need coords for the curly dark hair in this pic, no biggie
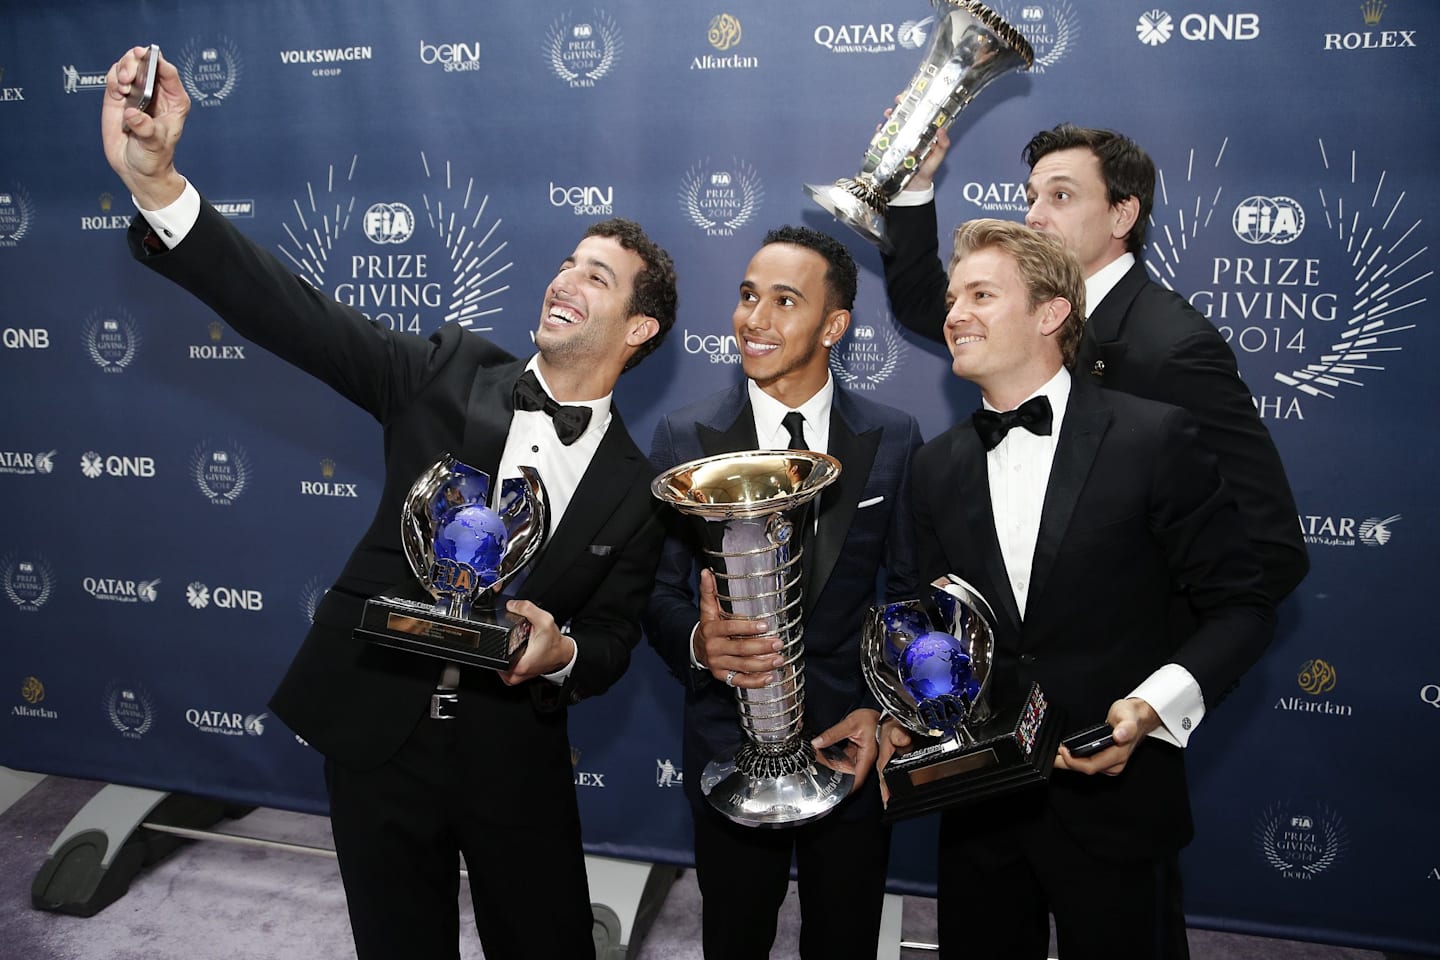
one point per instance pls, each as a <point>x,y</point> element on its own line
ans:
<point>841,277</point>
<point>655,294</point>
<point>1127,169</point>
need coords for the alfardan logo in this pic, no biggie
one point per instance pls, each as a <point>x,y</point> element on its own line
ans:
<point>1316,678</point>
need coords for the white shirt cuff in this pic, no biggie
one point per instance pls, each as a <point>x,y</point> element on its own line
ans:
<point>172,223</point>
<point>1173,694</point>
<point>913,198</point>
<point>563,674</point>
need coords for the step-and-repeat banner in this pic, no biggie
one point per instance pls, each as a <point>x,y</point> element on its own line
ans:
<point>176,501</point>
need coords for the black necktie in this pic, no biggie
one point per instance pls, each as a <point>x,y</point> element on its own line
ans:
<point>570,421</point>
<point>794,422</point>
<point>1033,415</point>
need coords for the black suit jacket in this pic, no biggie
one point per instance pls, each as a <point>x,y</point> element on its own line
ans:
<point>863,525</point>
<point>1134,511</point>
<point>450,393</point>
<point>1148,341</point>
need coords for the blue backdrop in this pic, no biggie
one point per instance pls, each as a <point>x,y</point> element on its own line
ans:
<point>175,501</point>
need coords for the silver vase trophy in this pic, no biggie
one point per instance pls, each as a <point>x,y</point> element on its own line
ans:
<point>752,508</point>
<point>970,46</point>
<point>462,550</point>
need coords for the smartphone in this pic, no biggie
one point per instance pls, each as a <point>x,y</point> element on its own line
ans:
<point>142,88</point>
<point>1090,741</point>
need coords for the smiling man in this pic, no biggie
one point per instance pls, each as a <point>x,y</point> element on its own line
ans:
<point>1094,189</point>
<point>793,308</point>
<point>1077,513</point>
<point>426,761</point>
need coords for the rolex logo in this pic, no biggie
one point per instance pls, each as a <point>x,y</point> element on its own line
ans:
<point>327,468</point>
<point>106,201</point>
<point>1372,11</point>
<point>216,330</point>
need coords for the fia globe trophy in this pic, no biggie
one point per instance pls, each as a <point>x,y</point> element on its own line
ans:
<point>462,551</point>
<point>970,46</point>
<point>751,510</point>
<point>930,666</point>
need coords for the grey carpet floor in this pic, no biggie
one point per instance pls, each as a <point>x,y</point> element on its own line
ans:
<point>223,900</point>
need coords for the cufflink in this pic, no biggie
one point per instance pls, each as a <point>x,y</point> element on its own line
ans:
<point>1098,368</point>
<point>1185,723</point>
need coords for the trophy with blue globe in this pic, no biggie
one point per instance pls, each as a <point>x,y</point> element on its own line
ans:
<point>970,46</point>
<point>463,546</point>
<point>930,666</point>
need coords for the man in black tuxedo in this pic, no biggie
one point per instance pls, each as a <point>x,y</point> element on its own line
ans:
<point>1078,513</point>
<point>1094,190</point>
<point>794,306</point>
<point>424,760</point>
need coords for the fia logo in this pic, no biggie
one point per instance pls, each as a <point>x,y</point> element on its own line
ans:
<point>720,201</point>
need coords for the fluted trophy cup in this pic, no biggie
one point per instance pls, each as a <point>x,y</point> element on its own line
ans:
<point>930,666</point>
<point>752,509</point>
<point>463,546</point>
<point>970,46</point>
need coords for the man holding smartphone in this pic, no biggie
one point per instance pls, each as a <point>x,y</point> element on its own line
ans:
<point>1078,513</point>
<point>427,761</point>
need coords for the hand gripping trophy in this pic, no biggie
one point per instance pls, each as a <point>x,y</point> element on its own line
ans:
<point>930,668</point>
<point>462,551</point>
<point>971,45</point>
<point>752,509</point>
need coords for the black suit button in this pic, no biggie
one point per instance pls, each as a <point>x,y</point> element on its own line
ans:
<point>1027,658</point>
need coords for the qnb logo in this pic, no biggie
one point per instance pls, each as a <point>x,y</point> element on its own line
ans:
<point>94,465</point>
<point>199,596</point>
<point>1268,220</point>
<point>20,338</point>
<point>389,223</point>
<point>1156,26</point>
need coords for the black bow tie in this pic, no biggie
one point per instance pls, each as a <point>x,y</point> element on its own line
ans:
<point>570,421</point>
<point>1033,415</point>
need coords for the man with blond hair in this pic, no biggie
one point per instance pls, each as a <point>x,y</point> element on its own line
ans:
<point>1077,512</point>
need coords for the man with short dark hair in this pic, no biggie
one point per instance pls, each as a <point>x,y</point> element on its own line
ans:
<point>1078,513</point>
<point>426,761</point>
<point>1094,189</point>
<point>794,307</point>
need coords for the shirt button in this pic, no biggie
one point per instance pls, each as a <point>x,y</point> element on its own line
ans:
<point>1027,658</point>
<point>534,448</point>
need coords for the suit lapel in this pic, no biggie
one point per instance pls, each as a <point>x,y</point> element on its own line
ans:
<point>1101,346</point>
<point>1086,420</point>
<point>612,472</point>
<point>733,429</point>
<point>969,488</point>
<point>856,453</point>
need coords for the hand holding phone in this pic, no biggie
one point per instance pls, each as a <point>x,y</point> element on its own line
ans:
<point>1090,741</point>
<point>142,88</point>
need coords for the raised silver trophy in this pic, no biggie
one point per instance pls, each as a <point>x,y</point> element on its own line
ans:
<point>463,549</point>
<point>753,508</point>
<point>930,667</point>
<point>970,46</point>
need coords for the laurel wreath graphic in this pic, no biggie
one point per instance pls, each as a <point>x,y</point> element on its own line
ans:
<point>609,39</point>
<point>47,577</point>
<point>1329,827</point>
<point>894,349</point>
<point>238,460</point>
<point>187,59</point>
<point>110,697</point>
<point>27,212</point>
<point>132,341</point>
<point>751,193</point>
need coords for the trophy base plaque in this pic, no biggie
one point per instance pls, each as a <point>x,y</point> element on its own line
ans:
<point>414,625</point>
<point>851,211</point>
<point>783,791</point>
<point>1010,752</point>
